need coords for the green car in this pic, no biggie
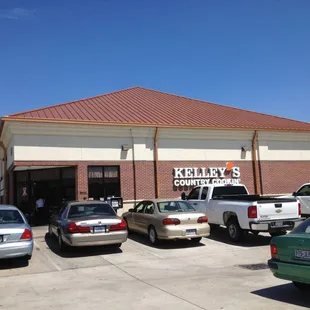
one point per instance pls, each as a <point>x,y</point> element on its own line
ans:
<point>291,256</point>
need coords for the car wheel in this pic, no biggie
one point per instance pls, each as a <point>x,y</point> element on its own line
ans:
<point>62,246</point>
<point>28,257</point>
<point>153,236</point>
<point>50,231</point>
<point>302,286</point>
<point>278,233</point>
<point>235,232</point>
<point>196,240</point>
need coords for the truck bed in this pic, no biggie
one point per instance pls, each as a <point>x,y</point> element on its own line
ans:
<point>252,198</point>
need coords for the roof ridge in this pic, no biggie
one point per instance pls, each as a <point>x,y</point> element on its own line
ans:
<point>70,102</point>
<point>226,106</point>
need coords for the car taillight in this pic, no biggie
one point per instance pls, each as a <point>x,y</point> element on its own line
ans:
<point>171,221</point>
<point>120,226</point>
<point>27,235</point>
<point>299,208</point>
<point>75,229</point>
<point>252,212</point>
<point>203,219</point>
<point>274,251</point>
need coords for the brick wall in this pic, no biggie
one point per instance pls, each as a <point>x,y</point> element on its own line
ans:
<point>280,177</point>
<point>166,175</point>
<point>277,177</point>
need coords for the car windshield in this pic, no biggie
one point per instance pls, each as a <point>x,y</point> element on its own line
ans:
<point>82,210</point>
<point>174,206</point>
<point>302,228</point>
<point>10,217</point>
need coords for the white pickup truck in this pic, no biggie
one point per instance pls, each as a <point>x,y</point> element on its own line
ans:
<point>303,196</point>
<point>233,207</point>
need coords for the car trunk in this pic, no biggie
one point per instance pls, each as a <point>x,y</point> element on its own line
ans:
<point>294,248</point>
<point>11,232</point>
<point>277,210</point>
<point>97,223</point>
<point>186,218</point>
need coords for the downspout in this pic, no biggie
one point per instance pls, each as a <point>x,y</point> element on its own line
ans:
<point>254,160</point>
<point>157,191</point>
<point>5,187</point>
<point>134,168</point>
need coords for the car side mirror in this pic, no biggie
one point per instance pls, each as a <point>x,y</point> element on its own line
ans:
<point>131,210</point>
<point>295,194</point>
<point>183,196</point>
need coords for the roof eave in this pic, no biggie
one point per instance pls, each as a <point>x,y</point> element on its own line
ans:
<point>155,125</point>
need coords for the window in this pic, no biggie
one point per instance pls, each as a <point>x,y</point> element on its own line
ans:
<point>229,190</point>
<point>194,194</point>
<point>10,217</point>
<point>174,206</point>
<point>304,191</point>
<point>98,209</point>
<point>204,193</point>
<point>303,228</point>
<point>140,207</point>
<point>149,208</point>
<point>103,181</point>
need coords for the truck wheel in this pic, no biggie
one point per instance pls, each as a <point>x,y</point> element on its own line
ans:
<point>235,232</point>
<point>278,233</point>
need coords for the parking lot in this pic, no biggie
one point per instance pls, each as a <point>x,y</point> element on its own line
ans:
<point>176,275</point>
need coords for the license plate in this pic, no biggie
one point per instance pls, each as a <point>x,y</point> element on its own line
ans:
<point>1,239</point>
<point>99,229</point>
<point>191,232</point>
<point>302,254</point>
<point>277,224</point>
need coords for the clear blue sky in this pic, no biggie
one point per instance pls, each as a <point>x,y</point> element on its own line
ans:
<point>248,54</point>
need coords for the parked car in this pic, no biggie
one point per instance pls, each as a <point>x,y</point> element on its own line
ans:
<point>303,196</point>
<point>167,220</point>
<point>290,256</point>
<point>87,223</point>
<point>233,207</point>
<point>16,239</point>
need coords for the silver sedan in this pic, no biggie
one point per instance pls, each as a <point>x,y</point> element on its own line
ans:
<point>88,223</point>
<point>15,234</point>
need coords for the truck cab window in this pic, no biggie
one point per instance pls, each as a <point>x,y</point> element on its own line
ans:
<point>305,191</point>
<point>204,193</point>
<point>194,194</point>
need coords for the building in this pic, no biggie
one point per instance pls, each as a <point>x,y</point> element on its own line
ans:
<point>140,144</point>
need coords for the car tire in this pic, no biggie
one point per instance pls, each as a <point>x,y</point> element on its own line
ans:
<point>50,232</point>
<point>62,246</point>
<point>196,240</point>
<point>278,233</point>
<point>118,245</point>
<point>235,232</point>
<point>302,286</point>
<point>28,257</point>
<point>152,236</point>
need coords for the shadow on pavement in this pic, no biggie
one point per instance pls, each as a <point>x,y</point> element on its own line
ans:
<point>164,244</point>
<point>286,293</point>
<point>220,234</point>
<point>80,251</point>
<point>13,263</point>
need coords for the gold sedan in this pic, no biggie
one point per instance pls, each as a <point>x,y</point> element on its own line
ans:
<point>167,220</point>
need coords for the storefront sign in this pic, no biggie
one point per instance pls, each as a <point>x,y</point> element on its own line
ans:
<point>205,176</point>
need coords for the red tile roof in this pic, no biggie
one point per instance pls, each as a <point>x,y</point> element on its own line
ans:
<point>144,107</point>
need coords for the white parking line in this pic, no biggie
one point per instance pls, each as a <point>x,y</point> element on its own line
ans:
<point>47,257</point>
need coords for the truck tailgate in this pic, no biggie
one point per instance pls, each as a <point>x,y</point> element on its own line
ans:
<point>277,210</point>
